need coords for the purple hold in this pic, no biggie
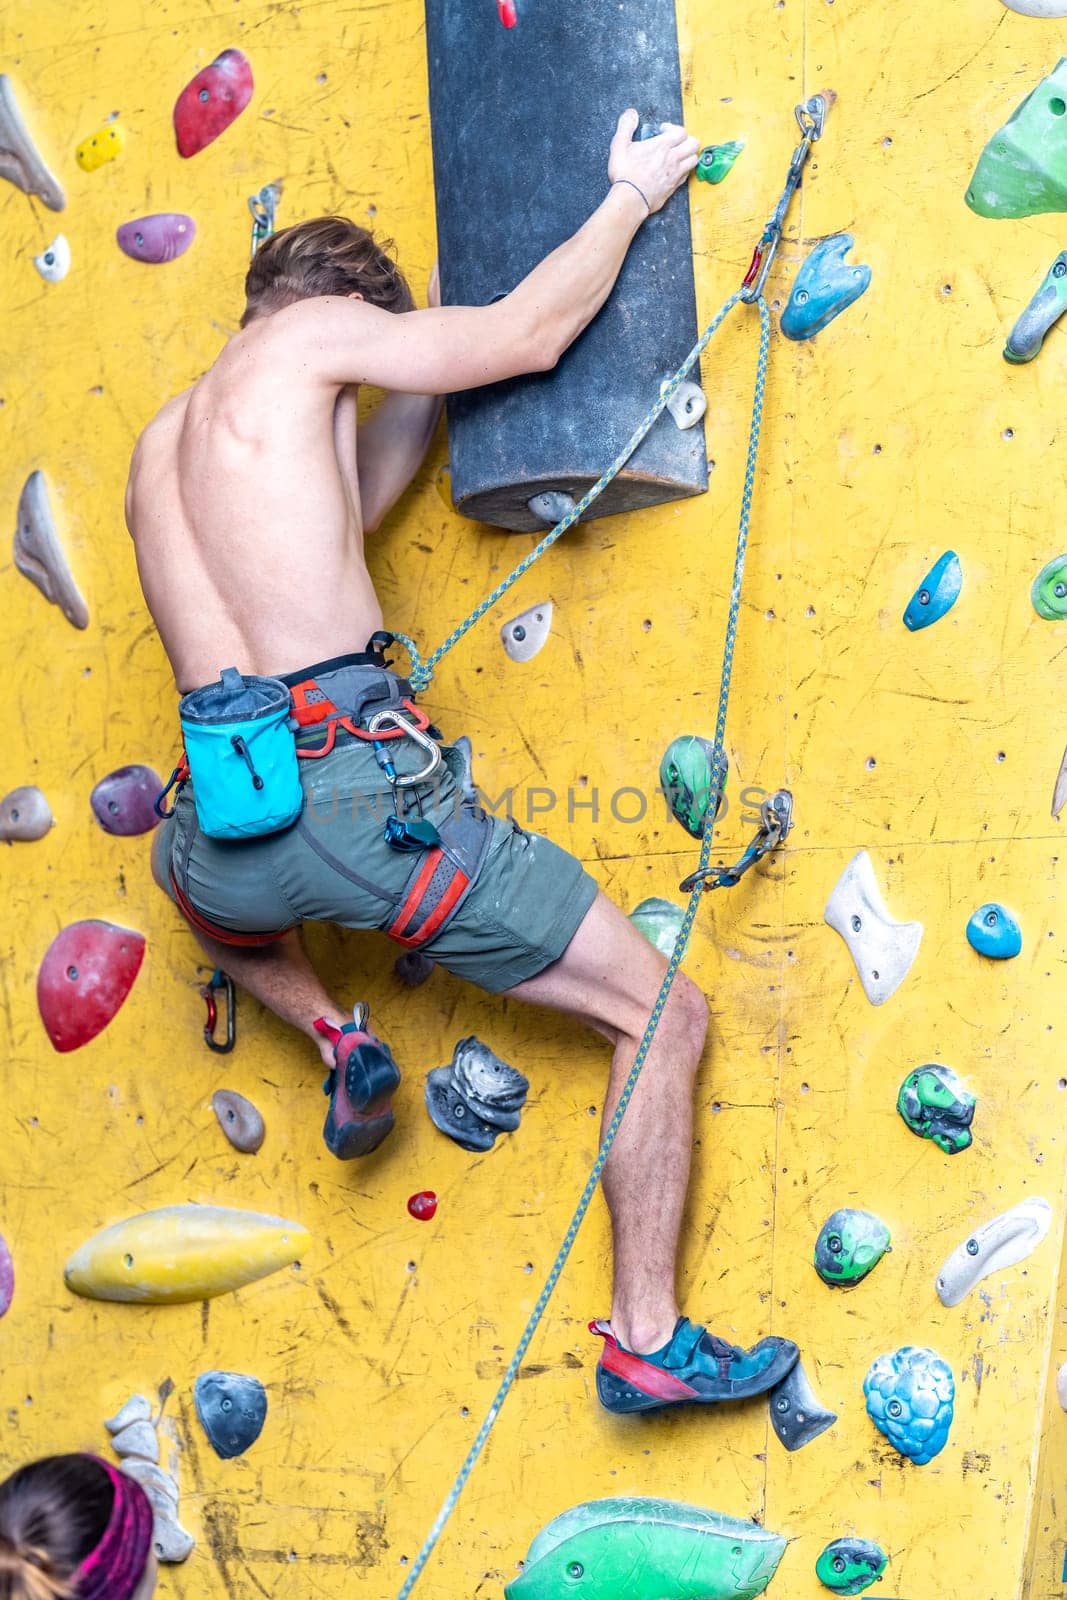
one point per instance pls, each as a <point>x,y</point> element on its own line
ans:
<point>162,237</point>
<point>124,801</point>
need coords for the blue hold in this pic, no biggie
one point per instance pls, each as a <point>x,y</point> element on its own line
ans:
<point>937,593</point>
<point>993,931</point>
<point>232,1409</point>
<point>826,285</point>
<point>910,1394</point>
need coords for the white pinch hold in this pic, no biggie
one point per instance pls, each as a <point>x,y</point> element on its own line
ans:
<point>882,949</point>
<point>994,1247</point>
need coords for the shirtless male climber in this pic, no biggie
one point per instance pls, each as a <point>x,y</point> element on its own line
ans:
<point>248,501</point>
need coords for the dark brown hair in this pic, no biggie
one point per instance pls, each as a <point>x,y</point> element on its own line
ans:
<point>328,255</point>
<point>52,1514</point>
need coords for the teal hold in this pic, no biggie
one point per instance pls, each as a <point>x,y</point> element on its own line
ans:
<point>994,932</point>
<point>848,1566</point>
<point>687,777</point>
<point>645,1549</point>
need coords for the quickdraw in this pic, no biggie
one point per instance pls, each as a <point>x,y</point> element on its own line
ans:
<point>811,118</point>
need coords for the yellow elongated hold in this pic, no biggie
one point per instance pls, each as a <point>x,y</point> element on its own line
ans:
<point>180,1253</point>
<point>100,147</point>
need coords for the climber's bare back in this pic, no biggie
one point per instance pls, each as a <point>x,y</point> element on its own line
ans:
<point>244,506</point>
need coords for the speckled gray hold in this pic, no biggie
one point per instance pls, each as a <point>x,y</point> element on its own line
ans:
<point>239,1120</point>
<point>485,1082</point>
<point>797,1415</point>
<point>232,1408</point>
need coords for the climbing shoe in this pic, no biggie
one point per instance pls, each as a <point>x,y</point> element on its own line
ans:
<point>694,1368</point>
<point>360,1086</point>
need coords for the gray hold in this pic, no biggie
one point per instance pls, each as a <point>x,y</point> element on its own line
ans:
<point>413,968</point>
<point>239,1120</point>
<point>485,1081</point>
<point>24,814</point>
<point>158,1485</point>
<point>232,1408</point>
<point>449,1113</point>
<point>797,1415</point>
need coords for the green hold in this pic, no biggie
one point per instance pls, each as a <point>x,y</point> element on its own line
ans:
<point>716,160</point>
<point>850,1244</point>
<point>1049,592</point>
<point>686,777</point>
<point>647,1549</point>
<point>936,1105</point>
<point>848,1566</point>
<point>1023,168</point>
<point>659,921</point>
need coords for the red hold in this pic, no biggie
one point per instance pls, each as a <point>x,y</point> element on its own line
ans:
<point>88,970</point>
<point>423,1205</point>
<point>7,1276</point>
<point>508,14</point>
<point>211,101</point>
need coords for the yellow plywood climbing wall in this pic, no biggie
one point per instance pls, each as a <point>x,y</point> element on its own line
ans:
<point>898,433</point>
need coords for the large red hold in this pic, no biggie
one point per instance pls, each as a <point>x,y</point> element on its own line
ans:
<point>87,972</point>
<point>211,101</point>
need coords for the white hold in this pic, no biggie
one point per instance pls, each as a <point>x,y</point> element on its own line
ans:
<point>1059,793</point>
<point>54,263</point>
<point>1038,8</point>
<point>136,1409</point>
<point>137,1442</point>
<point>995,1246</point>
<point>687,404</point>
<point>170,1540</point>
<point>158,1485</point>
<point>527,633</point>
<point>139,1439</point>
<point>1061,1385</point>
<point>882,949</point>
<point>551,506</point>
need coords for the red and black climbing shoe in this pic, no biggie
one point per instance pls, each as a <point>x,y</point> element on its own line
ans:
<point>360,1086</point>
<point>693,1368</point>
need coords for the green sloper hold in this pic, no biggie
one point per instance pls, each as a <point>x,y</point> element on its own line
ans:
<point>644,1549</point>
<point>686,775</point>
<point>1023,168</point>
<point>716,160</point>
<point>659,921</point>
<point>1049,591</point>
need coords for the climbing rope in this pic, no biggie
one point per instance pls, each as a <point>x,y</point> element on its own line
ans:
<point>422,671</point>
<point>682,942</point>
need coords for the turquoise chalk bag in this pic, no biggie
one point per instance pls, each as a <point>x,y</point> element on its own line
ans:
<point>242,756</point>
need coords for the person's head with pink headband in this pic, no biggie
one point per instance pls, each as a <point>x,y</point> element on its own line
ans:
<point>72,1528</point>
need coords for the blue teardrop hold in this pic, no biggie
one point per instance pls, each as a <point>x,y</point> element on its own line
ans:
<point>826,285</point>
<point>232,1409</point>
<point>937,593</point>
<point>993,931</point>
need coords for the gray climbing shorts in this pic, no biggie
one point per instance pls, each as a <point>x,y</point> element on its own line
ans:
<point>498,907</point>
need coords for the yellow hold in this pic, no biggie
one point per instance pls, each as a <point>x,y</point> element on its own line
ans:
<point>180,1253</point>
<point>101,147</point>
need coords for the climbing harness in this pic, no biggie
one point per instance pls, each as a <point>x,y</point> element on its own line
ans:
<point>263,207</point>
<point>810,117</point>
<point>220,983</point>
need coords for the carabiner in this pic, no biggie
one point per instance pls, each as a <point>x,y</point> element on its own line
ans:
<point>776,819</point>
<point>433,750</point>
<point>220,980</point>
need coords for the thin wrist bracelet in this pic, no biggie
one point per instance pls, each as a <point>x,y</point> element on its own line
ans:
<point>641,192</point>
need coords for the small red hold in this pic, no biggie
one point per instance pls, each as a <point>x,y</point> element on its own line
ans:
<point>87,972</point>
<point>508,15</point>
<point>423,1205</point>
<point>211,101</point>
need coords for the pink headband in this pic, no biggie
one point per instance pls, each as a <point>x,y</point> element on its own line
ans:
<point>114,1569</point>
